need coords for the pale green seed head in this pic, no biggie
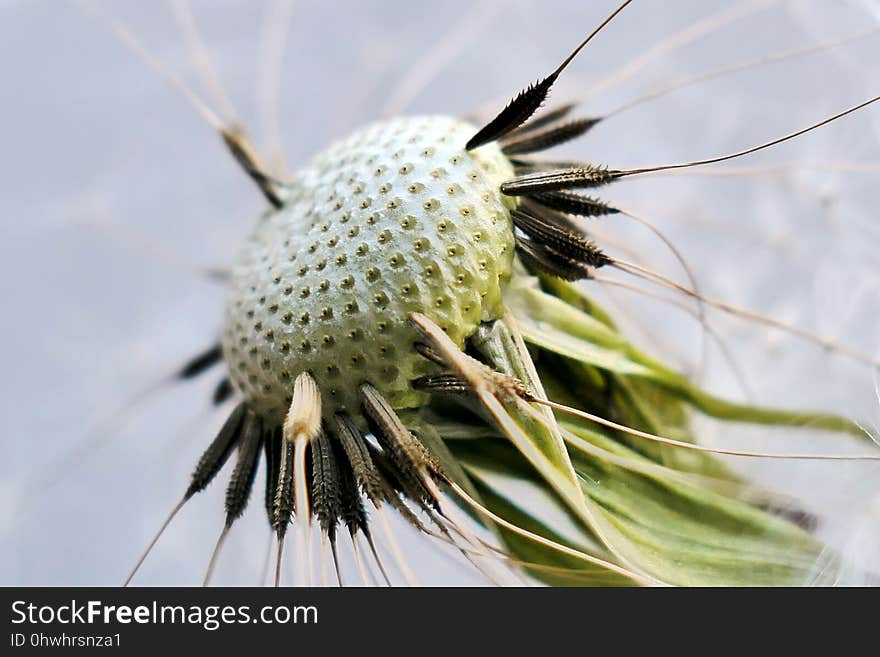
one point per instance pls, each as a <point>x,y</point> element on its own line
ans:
<point>397,218</point>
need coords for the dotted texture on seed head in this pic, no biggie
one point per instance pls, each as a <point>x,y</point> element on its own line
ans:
<point>397,218</point>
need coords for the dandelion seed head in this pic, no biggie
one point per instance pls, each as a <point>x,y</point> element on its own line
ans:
<point>340,270</point>
<point>369,235</point>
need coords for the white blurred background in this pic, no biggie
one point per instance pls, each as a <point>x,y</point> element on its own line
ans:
<point>117,197</point>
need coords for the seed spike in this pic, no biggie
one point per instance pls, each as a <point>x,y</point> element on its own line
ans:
<point>521,108</point>
<point>444,382</point>
<point>552,135</point>
<point>582,177</point>
<point>242,480</point>
<point>406,481</point>
<point>544,119</point>
<point>591,177</point>
<point>222,392</point>
<point>573,203</point>
<point>218,451</point>
<point>200,363</point>
<point>273,189</point>
<point>558,252</point>
<point>398,482</point>
<point>483,379</point>
<point>353,513</point>
<point>358,456</point>
<point>555,217</point>
<point>216,274</point>
<point>568,243</point>
<point>402,444</point>
<point>514,114</point>
<point>326,490</point>
<point>525,165</point>
<point>542,259</point>
<point>240,483</point>
<point>428,353</point>
<point>272,454</point>
<point>411,460</point>
<point>283,503</point>
<point>398,487</point>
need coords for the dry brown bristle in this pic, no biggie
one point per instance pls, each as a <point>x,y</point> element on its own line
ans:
<point>222,392</point>
<point>444,382</point>
<point>580,177</point>
<point>358,457</point>
<point>326,485</point>
<point>283,502</point>
<point>248,159</point>
<point>526,103</point>
<point>569,243</point>
<point>545,118</point>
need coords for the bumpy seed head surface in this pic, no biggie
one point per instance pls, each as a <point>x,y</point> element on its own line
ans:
<point>397,218</point>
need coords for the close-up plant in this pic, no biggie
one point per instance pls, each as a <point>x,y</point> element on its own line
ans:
<point>568,293</point>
